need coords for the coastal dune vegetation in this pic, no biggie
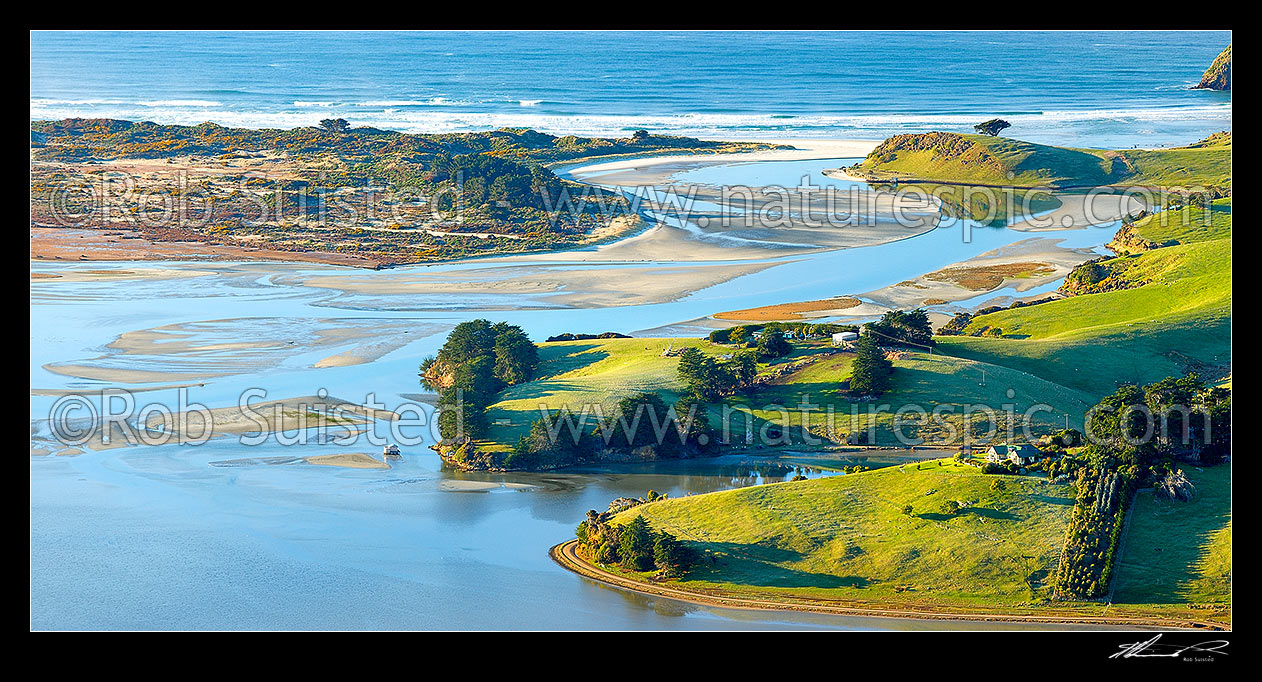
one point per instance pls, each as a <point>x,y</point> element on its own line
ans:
<point>354,195</point>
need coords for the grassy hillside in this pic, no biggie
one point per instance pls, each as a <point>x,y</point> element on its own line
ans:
<point>575,373</point>
<point>1187,225</point>
<point>1179,552</point>
<point>919,379</point>
<point>1179,319</point>
<point>982,159</point>
<point>847,538</point>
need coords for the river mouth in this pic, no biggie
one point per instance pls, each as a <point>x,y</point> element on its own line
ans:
<point>155,537</point>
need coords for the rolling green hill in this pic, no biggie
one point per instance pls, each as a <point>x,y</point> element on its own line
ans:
<point>576,373</point>
<point>1186,225</point>
<point>847,538</point>
<point>950,158</point>
<point>1178,319</point>
<point>919,379</point>
<point>1179,552</point>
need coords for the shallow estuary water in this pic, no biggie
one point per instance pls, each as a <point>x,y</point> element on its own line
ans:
<point>159,537</point>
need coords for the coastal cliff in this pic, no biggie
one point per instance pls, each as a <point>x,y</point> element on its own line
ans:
<point>1218,75</point>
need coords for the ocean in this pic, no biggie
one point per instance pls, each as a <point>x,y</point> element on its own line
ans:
<point>1097,89</point>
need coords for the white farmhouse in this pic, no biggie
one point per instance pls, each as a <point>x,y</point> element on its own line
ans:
<point>1021,455</point>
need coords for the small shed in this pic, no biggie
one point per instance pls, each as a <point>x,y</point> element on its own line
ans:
<point>843,338</point>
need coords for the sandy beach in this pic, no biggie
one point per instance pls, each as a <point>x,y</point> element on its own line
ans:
<point>659,168</point>
<point>588,285</point>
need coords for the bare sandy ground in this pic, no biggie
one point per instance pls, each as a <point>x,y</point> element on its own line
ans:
<point>686,254</point>
<point>75,245</point>
<point>1037,250</point>
<point>931,290</point>
<point>349,460</point>
<point>458,486</point>
<point>658,168</point>
<point>118,274</point>
<point>328,418</point>
<point>688,251</point>
<point>288,414</point>
<point>788,311</point>
<point>580,286</point>
<point>740,225</point>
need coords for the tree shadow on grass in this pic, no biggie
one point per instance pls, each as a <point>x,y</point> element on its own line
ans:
<point>538,390</point>
<point>557,360</point>
<point>989,513</point>
<point>986,512</point>
<point>760,565</point>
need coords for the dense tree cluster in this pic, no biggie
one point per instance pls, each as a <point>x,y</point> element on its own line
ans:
<point>709,379</point>
<point>744,335</point>
<point>553,442</point>
<point>673,431</point>
<point>771,344</point>
<point>634,546</point>
<point>335,125</point>
<point>492,183</point>
<point>1095,526</point>
<point>642,420</point>
<point>570,336</point>
<point>1177,417</point>
<point>903,327</point>
<point>478,360</point>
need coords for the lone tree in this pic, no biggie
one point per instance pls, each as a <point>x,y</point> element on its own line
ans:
<point>335,125</point>
<point>640,135</point>
<point>992,127</point>
<point>870,373</point>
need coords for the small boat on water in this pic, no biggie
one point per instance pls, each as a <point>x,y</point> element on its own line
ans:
<point>391,450</point>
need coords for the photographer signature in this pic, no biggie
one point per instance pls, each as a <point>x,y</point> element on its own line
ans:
<point>1151,649</point>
